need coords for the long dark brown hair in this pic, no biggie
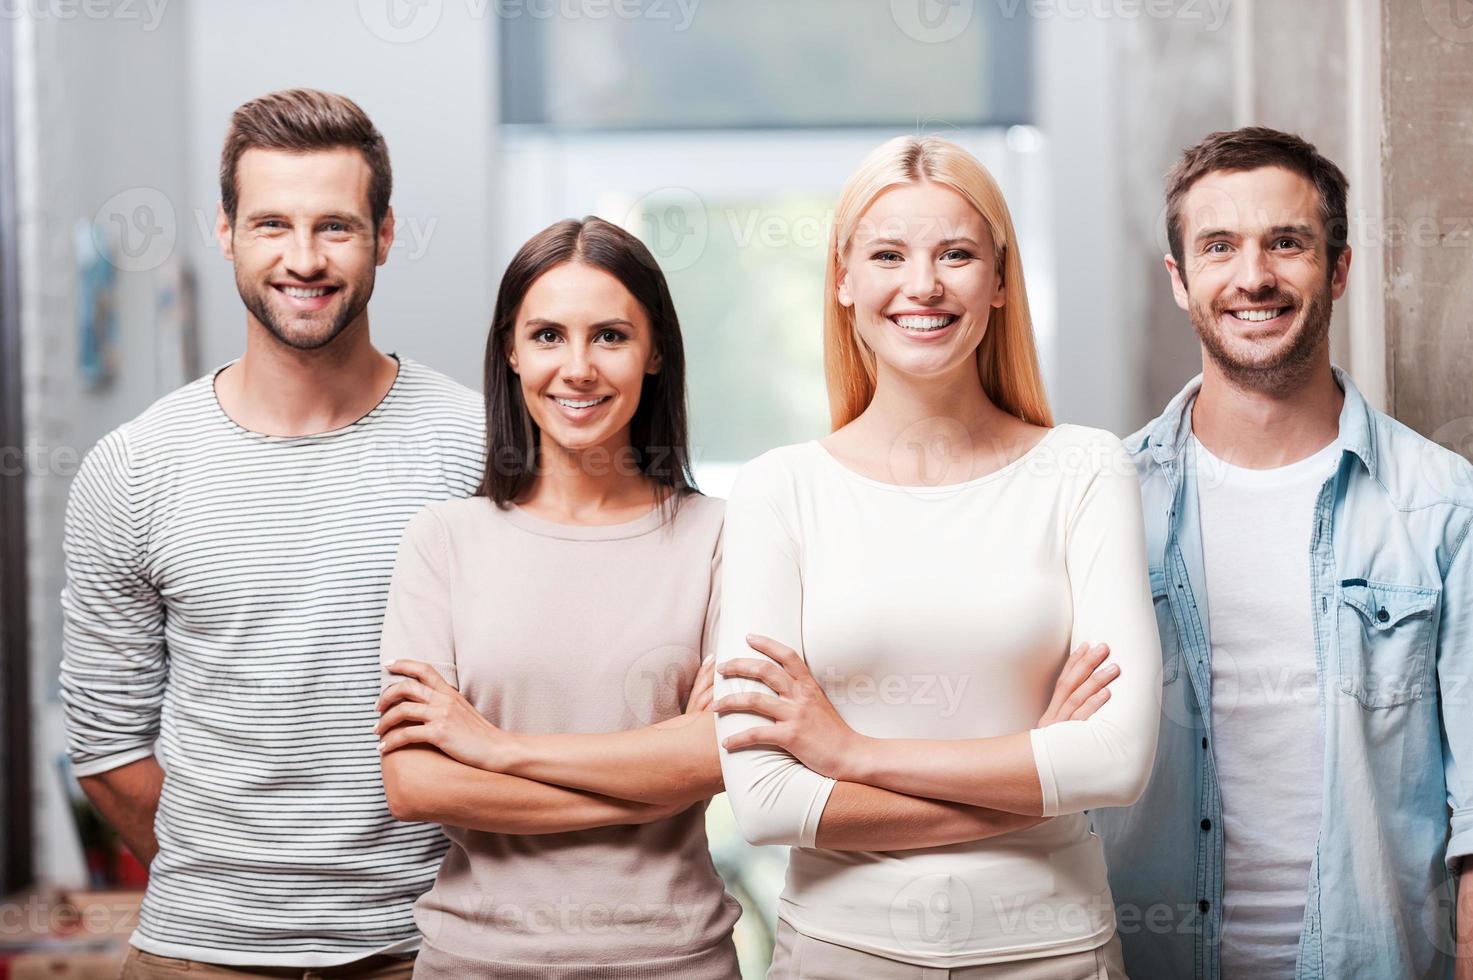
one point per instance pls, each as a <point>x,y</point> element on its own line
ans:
<point>657,433</point>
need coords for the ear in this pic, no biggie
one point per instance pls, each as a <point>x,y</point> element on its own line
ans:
<point>654,364</point>
<point>1340,277</point>
<point>509,350</point>
<point>385,237</point>
<point>1000,295</point>
<point>841,281</point>
<point>1178,288</point>
<point>224,234</point>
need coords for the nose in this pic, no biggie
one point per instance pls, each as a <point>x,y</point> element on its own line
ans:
<point>1255,271</point>
<point>578,366</point>
<point>304,259</point>
<point>922,283</point>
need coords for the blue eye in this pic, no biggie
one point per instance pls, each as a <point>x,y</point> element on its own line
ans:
<point>956,254</point>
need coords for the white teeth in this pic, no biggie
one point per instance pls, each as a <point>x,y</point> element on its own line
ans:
<point>923,323</point>
<point>570,403</point>
<point>1256,315</point>
<point>299,293</point>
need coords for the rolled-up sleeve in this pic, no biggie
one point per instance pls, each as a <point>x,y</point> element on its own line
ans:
<point>114,658</point>
<point>1455,681</point>
<point>1106,760</point>
<point>775,798</point>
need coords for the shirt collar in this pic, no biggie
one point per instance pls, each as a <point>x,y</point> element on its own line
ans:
<point>1171,430</point>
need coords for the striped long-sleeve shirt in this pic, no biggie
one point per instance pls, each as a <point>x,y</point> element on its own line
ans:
<point>225,593</point>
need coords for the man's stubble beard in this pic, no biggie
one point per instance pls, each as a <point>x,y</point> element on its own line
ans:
<point>355,299</point>
<point>1289,367</point>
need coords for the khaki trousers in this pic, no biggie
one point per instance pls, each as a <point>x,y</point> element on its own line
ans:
<point>146,966</point>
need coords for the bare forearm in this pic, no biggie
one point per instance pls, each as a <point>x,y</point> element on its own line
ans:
<point>424,784</point>
<point>996,773</point>
<point>128,798</point>
<point>866,818</point>
<point>1465,922</point>
<point>673,762</point>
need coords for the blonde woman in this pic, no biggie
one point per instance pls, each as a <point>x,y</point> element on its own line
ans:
<point>901,598</point>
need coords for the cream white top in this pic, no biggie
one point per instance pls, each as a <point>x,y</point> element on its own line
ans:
<point>946,612</point>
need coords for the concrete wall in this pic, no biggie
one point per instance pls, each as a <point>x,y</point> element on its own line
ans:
<point>1427,163</point>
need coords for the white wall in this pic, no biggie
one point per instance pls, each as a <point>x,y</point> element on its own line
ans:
<point>99,111</point>
<point>430,96</point>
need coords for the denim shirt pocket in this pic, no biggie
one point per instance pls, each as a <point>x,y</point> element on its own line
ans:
<point>1386,634</point>
<point>1166,626</point>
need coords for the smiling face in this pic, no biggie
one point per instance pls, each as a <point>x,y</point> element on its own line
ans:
<point>1257,281</point>
<point>921,279</point>
<point>303,242</point>
<point>581,348</point>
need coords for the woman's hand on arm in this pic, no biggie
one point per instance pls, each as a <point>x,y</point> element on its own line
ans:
<point>671,763</point>
<point>996,773</point>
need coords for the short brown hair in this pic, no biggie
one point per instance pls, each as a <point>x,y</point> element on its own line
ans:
<point>303,120</point>
<point>1248,149</point>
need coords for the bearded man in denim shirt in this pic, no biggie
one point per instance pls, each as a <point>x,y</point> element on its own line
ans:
<point>1312,798</point>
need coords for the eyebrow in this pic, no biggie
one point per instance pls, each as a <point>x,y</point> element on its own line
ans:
<point>944,243</point>
<point>1303,231</point>
<point>615,322</point>
<point>338,216</point>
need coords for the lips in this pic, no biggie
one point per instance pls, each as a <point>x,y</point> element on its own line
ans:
<point>1259,317</point>
<point>924,325</point>
<point>305,298</point>
<point>580,409</point>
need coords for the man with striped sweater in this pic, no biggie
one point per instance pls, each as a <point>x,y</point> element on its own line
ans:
<point>228,555</point>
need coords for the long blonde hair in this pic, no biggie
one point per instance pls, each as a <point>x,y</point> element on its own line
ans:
<point>1007,361</point>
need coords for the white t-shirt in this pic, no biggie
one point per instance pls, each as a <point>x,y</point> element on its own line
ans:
<point>945,612</point>
<point>1268,740</point>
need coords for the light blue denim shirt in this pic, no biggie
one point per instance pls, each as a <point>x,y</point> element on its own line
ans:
<point>1392,596</point>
